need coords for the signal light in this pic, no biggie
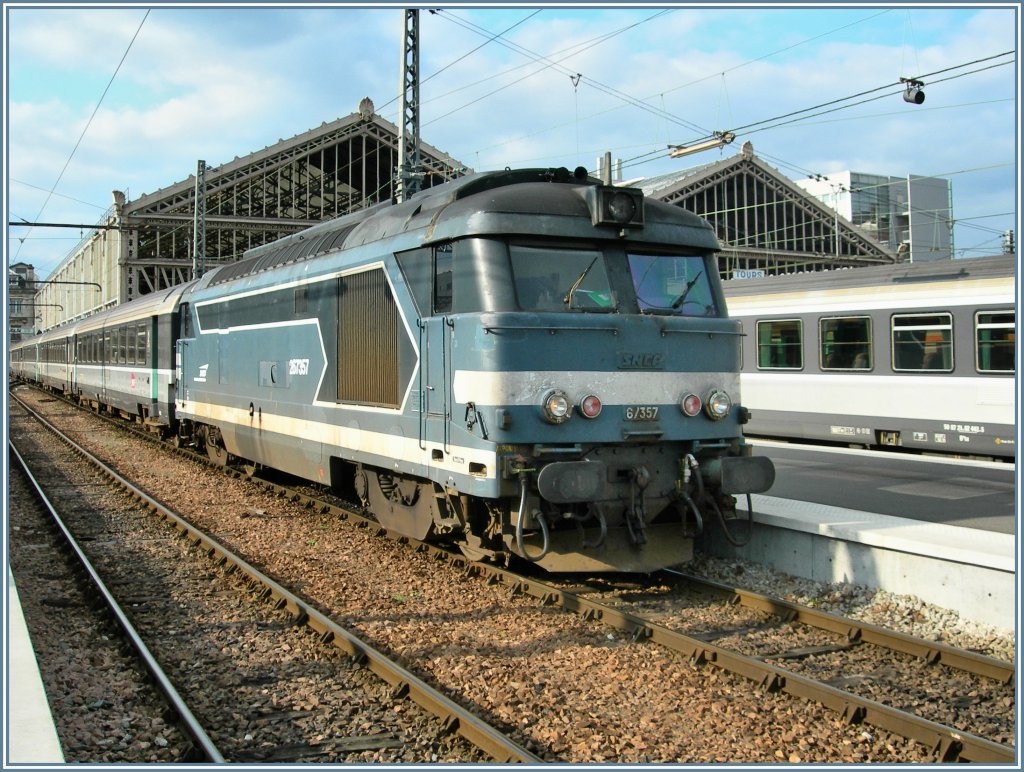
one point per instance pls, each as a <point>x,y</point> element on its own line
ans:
<point>621,207</point>
<point>590,406</point>
<point>690,405</point>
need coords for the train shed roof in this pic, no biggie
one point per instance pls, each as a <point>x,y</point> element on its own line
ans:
<point>763,219</point>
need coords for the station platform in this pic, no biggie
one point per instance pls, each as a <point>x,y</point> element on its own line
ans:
<point>968,570</point>
<point>31,737</point>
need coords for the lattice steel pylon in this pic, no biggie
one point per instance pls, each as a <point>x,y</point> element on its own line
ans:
<point>409,171</point>
<point>199,223</point>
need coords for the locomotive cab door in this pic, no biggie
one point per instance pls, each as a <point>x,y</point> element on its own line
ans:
<point>435,376</point>
<point>182,365</point>
<point>435,359</point>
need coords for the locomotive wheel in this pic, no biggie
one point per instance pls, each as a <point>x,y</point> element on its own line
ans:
<point>217,454</point>
<point>401,504</point>
<point>215,446</point>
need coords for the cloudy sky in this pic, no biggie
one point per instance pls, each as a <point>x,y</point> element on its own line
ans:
<point>129,98</point>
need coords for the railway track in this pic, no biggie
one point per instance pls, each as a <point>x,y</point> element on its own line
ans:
<point>156,590</point>
<point>192,741</point>
<point>786,647</point>
<point>720,648</point>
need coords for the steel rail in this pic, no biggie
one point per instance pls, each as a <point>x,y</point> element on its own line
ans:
<point>856,631</point>
<point>404,683</point>
<point>946,743</point>
<point>193,728</point>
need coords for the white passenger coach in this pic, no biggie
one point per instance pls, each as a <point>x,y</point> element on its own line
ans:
<point>918,356</point>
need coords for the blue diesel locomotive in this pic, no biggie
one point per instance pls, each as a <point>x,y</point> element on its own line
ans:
<point>519,362</point>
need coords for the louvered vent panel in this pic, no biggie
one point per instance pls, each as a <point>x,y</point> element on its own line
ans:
<point>368,342</point>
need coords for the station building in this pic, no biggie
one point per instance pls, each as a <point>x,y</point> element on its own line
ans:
<point>21,301</point>
<point>765,222</point>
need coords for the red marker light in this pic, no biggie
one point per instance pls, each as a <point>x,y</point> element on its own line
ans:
<point>590,406</point>
<point>690,404</point>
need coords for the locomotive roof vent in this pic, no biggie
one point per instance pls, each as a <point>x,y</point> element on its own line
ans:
<point>620,207</point>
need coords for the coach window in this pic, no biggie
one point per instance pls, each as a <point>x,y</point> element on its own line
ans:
<point>845,343</point>
<point>142,344</point>
<point>780,344</point>
<point>922,342</point>
<point>129,344</point>
<point>122,345</point>
<point>995,338</point>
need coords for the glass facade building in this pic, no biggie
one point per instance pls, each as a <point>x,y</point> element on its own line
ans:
<point>912,215</point>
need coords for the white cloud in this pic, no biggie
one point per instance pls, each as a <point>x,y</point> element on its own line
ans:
<point>215,84</point>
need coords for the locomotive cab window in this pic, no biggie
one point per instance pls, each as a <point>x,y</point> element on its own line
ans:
<point>443,259</point>
<point>557,279</point>
<point>780,344</point>
<point>672,284</point>
<point>922,342</point>
<point>846,343</point>
<point>995,338</point>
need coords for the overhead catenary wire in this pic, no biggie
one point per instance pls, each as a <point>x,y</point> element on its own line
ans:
<point>965,222</point>
<point>58,195</point>
<point>778,121</point>
<point>87,125</point>
<point>467,54</point>
<point>564,52</point>
<point>745,128</point>
<point>550,63</point>
<point>648,155</point>
<point>702,79</point>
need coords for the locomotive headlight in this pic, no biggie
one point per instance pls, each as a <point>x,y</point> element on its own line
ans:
<point>621,207</point>
<point>690,404</point>
<point>590,406</point>
<point>557,407</point>
<point>717,405</point>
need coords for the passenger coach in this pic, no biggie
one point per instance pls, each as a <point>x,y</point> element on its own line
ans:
<point>919,356</point>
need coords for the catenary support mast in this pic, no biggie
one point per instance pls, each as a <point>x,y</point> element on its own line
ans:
<point>409,172</point>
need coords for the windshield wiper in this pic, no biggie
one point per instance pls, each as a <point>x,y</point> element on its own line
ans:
<point>689,286</point>
<point>576,284</point>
